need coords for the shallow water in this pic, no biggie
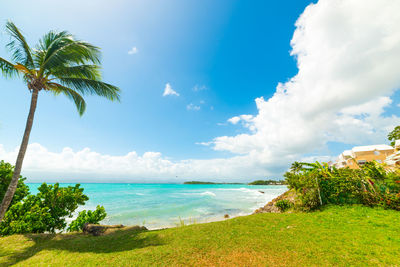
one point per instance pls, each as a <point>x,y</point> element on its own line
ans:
<point>166,205</point>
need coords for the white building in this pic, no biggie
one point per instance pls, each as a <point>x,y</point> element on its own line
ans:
<point>394,159</point>
<point>359,155</point>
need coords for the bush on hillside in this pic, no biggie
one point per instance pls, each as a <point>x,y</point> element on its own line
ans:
<point>92,217</point>
<point>284,205</point>
<point>318,184</point>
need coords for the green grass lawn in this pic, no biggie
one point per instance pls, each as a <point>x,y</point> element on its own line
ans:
<point>349,235</point>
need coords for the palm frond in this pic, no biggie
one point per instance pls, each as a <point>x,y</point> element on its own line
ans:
<point>71,94</point>
<point>45,44</point>
<point>87,86</point>
<point>18,46</point>
<point>7,68</point>
<point>63,51</point>
<point>23,69</point>
<point>91,72</point>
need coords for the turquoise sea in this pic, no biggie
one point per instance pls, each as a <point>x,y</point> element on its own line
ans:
<point>166,205</point>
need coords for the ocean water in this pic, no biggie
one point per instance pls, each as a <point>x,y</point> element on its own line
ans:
<point>166,205</point>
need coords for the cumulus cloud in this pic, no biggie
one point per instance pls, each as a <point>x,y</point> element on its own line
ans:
<point>169,91</point>
<point>347,55</point>
<point>86,166</point>
<point>133,50</point>
<point>192,106</point>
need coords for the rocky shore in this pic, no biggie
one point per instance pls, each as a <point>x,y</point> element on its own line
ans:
<point>272,208</point>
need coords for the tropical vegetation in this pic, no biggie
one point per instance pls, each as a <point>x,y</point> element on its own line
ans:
<point>319,184</point>
<point>284,204</point>
<point>87,216</point>
<point>58,64</point>
<point>394,135</point>
<point>47,211</point>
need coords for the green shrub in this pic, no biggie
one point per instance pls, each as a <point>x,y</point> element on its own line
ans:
<point>93,217</point>
<point>284,205</point>
<point>6,173</point>
<point>44,212</point>
<point>391,201</point>
<point>47,210</point>
<point>318,184</point>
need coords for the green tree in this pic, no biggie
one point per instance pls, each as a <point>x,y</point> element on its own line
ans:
<point>44,212</point>
<point>59,64</point>
<point>394,135</point>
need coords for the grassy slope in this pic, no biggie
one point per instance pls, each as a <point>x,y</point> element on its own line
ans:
<point>351,235</point>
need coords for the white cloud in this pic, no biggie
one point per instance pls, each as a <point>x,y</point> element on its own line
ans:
<point>133,50</point>
<point>347,54</point>
<point>86,165</point>
<point>204,143</point>
<point>169,91</point>
<point>234,120</point>
<point>245,119</point>
<point>198,88</point>
<point>192,106</point>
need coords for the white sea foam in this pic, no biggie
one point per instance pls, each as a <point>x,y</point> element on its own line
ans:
<point>241,189</point>
<point>208,193</point>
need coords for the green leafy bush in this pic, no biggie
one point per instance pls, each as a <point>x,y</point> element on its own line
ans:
<point>284,205</point>
<point>47,210</point>
<point>93,217</point>
<point>394,135</point>
<point>318,184</point>
<point>44,212</point>
<point>6,173</point>
<point>391,201</point>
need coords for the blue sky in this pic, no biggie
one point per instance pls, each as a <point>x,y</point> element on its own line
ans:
<point>238,50</point>
<point>234,51</point>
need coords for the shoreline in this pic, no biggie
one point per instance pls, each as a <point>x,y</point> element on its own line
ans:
<point>159,206</point>
<point>256,209</point>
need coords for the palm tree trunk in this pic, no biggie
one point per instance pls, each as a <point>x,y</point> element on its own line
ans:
<point>21,154</point>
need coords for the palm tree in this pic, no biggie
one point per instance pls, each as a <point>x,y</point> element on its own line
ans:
<point>60,64</point>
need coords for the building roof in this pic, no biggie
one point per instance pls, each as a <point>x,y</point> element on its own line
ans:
<point>347,153</point>
<point>397,143</point>
<point>371,148</point>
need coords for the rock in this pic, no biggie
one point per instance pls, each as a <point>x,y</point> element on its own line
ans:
<point>97,229</point>
<point>226,216</point>
<point>262,192</point>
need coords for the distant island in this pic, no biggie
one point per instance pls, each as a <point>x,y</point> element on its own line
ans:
<point>200,182</point>
<point>268,182</point>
